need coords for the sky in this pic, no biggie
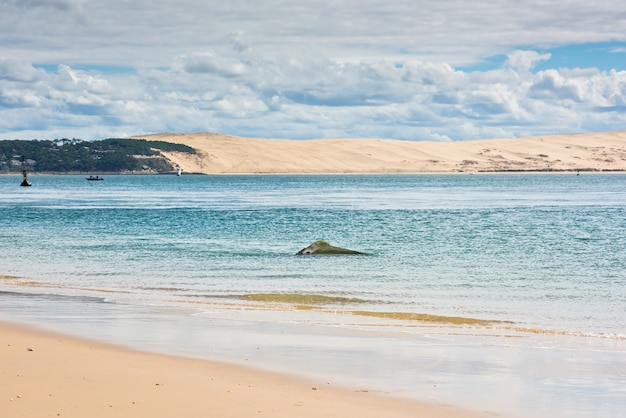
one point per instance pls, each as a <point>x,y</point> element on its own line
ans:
<point>437,70</point>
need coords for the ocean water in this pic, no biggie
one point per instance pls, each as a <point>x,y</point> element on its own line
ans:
<point>474,285</point>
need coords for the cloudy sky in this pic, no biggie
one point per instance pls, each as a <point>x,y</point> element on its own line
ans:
<point>405,69</point>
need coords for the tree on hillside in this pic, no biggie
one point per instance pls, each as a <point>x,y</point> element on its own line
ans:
<point>75,155</point>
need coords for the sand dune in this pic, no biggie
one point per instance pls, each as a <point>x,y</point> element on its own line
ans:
<point>218,153</point>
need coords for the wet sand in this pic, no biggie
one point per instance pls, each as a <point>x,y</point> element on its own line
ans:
<point>48,374</point>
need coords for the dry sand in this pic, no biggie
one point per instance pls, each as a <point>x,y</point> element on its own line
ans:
<point>220,154</point>
<point>49,375</point>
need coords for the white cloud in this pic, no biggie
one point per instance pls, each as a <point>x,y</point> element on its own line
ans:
<point>300,99</point>
<point>452,31</point>
<point>211,63</point>
<point>525,60</point>
<point>19,71</point>
<point>279,68</point>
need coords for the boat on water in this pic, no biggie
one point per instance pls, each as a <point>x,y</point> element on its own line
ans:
<point>94,178</point>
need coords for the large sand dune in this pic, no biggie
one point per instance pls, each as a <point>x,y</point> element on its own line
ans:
<point>218,153</point>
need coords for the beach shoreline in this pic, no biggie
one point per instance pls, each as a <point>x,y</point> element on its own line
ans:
<point>421,173</point>
<point>50,374</point>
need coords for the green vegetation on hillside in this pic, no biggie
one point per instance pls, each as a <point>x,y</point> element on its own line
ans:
<point>75,155</point>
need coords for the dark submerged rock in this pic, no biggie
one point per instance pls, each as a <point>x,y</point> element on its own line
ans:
<point>324,248</point>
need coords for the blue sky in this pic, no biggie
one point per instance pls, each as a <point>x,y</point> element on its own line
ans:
<point>408,69</point>
<point>605,56</point>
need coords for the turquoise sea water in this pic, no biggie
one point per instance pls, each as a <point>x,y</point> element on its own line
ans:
<point>535,265</point>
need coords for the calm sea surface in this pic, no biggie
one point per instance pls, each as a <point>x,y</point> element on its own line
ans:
<point>529,267</point>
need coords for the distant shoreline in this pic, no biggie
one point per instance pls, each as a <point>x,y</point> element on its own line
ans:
<point>564,171</point>
<point>603,152</point>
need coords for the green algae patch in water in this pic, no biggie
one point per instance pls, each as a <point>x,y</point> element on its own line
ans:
<point>298,298</point>
<point>408,316</point>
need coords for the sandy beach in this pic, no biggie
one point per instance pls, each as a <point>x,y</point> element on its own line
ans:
<point>226,154</point>
<point>45,374</point>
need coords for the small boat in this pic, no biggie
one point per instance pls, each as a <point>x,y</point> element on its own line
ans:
<point>94,178</point>
<point>179,172</point>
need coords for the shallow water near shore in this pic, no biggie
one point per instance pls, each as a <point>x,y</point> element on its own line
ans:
<point>504,292</point>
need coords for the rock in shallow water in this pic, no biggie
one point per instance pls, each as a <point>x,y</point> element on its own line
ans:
<point>324,248</point>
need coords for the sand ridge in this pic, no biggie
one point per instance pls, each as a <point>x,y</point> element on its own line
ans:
<point>227,154</point>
